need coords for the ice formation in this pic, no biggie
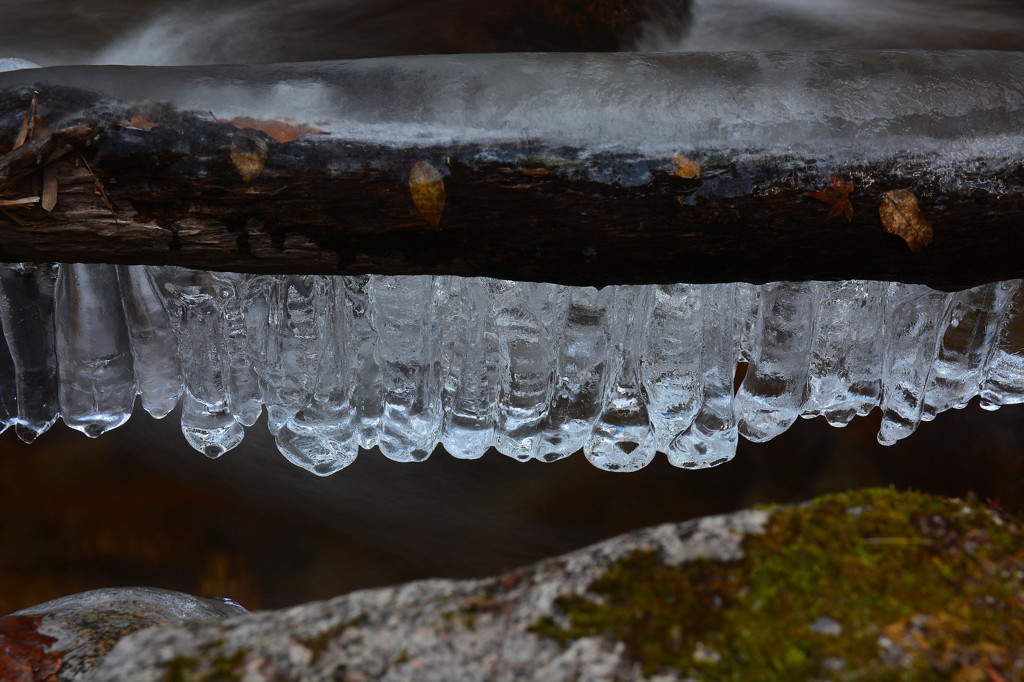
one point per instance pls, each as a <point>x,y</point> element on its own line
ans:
<point>538,371</point>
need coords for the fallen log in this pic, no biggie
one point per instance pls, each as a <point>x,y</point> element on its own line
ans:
<point>575,169</point>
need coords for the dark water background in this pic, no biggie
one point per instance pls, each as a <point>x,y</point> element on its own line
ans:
<point>137,506</point>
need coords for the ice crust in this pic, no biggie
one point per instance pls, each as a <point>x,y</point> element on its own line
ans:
<point>955,105</point>
<point>538,371</point>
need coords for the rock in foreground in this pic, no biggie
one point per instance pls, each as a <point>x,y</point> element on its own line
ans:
<point>870,585</point>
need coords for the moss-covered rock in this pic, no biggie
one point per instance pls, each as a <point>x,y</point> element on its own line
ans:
<point>866,585</point>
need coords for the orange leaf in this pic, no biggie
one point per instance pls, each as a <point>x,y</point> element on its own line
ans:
<point>837,197</point>
<point>902,217</point>
<point>138,124</point>
<point>685,167</point>
<point>427,186</point>
<point>279,131</point>
<point>249,154</point>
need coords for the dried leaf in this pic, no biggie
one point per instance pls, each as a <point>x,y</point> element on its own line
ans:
<point>23,651</point>
<point>685,167</point>
<point>28,124</point>
<point>427,186</point>
<point>24,201</point>
<point>279,131</point>
<point>48,197</point>
<point>249,154</point>
<point>902,217</point>
<point>138,124</point>
<point>837,197</point>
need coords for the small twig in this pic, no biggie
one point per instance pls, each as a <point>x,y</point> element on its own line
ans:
<point>24,201</point>
<point>97,188</point>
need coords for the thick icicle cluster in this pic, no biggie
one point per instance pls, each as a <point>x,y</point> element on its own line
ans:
<point>538,371</point>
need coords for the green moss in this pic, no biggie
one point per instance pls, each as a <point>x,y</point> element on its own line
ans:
<point>206,668</point>
<point>182,669</point>
<point>938,578</point>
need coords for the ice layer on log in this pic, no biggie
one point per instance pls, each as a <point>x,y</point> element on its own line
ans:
<point>538,371</point>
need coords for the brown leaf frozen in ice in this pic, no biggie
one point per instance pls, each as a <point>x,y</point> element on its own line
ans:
<point>280,131</point>
<point>685,167</point>
<point>249,154</point>
<point>837,196</point>
<point>902,216</point>
<point>31,124</point>
<point>427,186</point>
<point>25,654</point>
<point>48,197</point>
<point>138,124</point>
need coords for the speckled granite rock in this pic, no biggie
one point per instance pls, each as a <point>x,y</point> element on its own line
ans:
<point>430,630</point>
<point>88,624</point>
<point>867,585</point>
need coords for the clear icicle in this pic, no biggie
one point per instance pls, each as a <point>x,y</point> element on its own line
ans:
<point>94,356</point>
<point>193,303</point>
<point>321,437</point>
<point>367,404</point>
<point>287,361</point>
<point>154,346</point>
<point>242,384</point>
<point>914,316</point>
<point>26,310</point>
<point>772,393</point>
<point>536,370</point>
<point>1004,378</point>
<point>524,313</point>
<point>469,356</point>
<point>622,438</point>
<point>8,385</point>
<point>581,373</point>
<point>671,368</point>
<point>711,438</point>
<point>404,316</point>
<point>965,346</point>
<point>210,430</point>
<point>844,378</point>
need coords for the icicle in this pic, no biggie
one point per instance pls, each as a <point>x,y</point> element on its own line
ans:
<point>26,310</point>
<point>772,393</point>
<point>671,365</point>
<point>193,303</point>
<point>622,438</point>
<point>94,358</point>
<point>965,346</point>
<point>241,382</point>
<point>321,437</point>
<point>8,385</point>
<point>1004,377</point>
<point>403,311</point>
<point>581,373</point>
<point>914,316</point>
<point>367,400</point>
<point>844,378</point>
<point>711,438</point>
<point>524,313</point>
<point>469,357</point>
<point>281,315</point>
<point>154,346</point>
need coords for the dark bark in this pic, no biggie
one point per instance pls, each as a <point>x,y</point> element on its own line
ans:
<point>326,205</point>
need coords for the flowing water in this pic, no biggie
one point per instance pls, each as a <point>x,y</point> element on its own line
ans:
<point>138,506</point>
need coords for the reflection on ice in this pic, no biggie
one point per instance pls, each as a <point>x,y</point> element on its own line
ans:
<point>538,371</point>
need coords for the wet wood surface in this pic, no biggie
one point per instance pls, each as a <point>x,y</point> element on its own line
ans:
<point>216,195</point>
